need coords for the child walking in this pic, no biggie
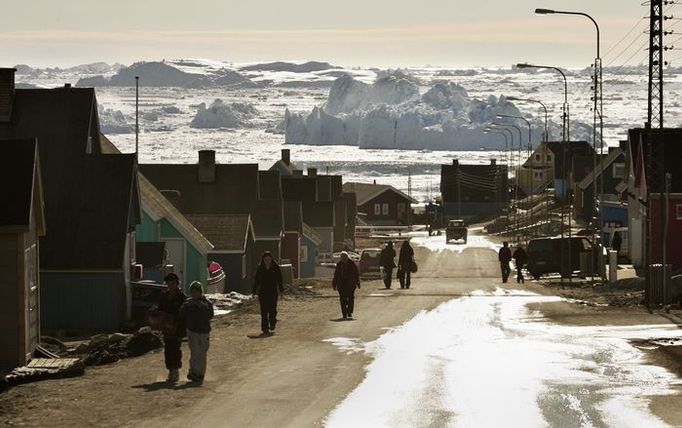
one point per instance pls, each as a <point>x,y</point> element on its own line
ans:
<point>197,313</point>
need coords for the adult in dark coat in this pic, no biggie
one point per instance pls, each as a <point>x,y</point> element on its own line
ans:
<point>505,257</point>
<point>267,285</point>
<point>520,259</point>
<point>346,280</point>
<point>405,260</point>
<point>169,303</point>
<point>616,242</point>
<point>387,262</point>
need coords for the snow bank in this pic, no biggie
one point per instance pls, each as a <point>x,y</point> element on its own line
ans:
<point>391,114</point>
<point>452,365</point>
<point>223,115</point>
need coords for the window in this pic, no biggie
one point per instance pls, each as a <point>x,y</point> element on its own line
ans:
<point>384,209</point>
<point>537,175</point>
<point>618,170</point>
<point>679,211</point>
<point>304,254</point>
<point>538,158</point>
<point>377,209</point>
<point>549,157</point>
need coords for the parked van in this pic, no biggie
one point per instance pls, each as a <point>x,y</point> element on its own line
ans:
<point>544,254</point>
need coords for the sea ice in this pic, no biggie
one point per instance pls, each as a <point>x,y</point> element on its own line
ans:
<point>223,115</point>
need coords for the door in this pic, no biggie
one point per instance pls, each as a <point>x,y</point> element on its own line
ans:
<point>401,212</point>
<point>176,256</point>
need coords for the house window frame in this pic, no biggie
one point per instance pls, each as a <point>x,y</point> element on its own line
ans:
<point>384,209</point>
<point>538,157</point>
<point>678,211</point>
<point>303,256</point>
<point>377,209</point>
<point>548,157</point>
<point>619,166</point>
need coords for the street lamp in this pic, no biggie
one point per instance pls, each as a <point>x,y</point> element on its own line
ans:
<point>566,116</point>
<point>544,107</point>
<point>516,174</point>
<point>598,117</point>
<point>531,187</point>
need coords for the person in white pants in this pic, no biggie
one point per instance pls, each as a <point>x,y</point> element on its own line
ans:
<point>197,313</point>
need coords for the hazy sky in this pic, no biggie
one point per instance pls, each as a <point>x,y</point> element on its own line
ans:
<point>347,32</point>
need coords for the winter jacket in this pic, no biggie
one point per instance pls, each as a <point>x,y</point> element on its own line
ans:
<point>387,258</point>
<point>267,282</point>
<point>346,276</point>
<point>406,257</point>
<point>505,255</point>
<point>197,314</point>
<point>170,303</point>
<point>520,257</point>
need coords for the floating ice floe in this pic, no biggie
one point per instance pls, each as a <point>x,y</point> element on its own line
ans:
<point>223,115</point>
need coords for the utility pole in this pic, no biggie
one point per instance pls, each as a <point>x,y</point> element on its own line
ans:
<point>137,115</point>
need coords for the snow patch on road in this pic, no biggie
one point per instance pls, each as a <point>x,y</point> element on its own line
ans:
<point>349,345</point>
<point>487,360</point>
<point>437,243</point>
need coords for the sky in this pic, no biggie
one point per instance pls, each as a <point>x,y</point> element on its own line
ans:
<point>456,33</point>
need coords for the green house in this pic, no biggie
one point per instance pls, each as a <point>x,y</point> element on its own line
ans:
<point>187,248</point>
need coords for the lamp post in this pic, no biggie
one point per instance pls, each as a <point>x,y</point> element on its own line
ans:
<point>544,107</point>
<point>510,159</point>
<point>597,136</point>
<point>566,116</point>
<point>531,187</point>
<point>516,175</point>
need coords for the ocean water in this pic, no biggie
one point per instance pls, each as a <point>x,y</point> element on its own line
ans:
<point>169,138</point>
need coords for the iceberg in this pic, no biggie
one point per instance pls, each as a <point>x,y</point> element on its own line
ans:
<point>222,115</point>
<point>392,114</point>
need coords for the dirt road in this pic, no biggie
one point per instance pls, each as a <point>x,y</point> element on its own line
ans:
<point>309,368</point>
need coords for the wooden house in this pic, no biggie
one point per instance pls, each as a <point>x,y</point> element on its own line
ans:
<point>185,249</point>
<point>91,202</point>
<point>22,222</point>
<point>233,238</point>
<point>473,191</point>
<point>537,172</point>
<point>381,204</point>
<point>291,239</point>
<point>573,161</point>
<point>611,171</point>
<point>310,244</point>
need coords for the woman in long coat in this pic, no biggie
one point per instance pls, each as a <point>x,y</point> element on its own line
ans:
<point>267,285</point>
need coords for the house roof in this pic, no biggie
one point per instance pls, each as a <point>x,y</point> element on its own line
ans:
<point>293,216</point>
<point>666,144</point>
<point>268,218</point>
<point>97,208</point>
<point>283,168</point>
<point>228,232</point>
<point>158,206</point>
<point>20,185</point>
<point>365,192</point>
<point>605,163</point>
<point>269,185</point>
<point>91,200</point>
<point>311,234</point>
<point>296,188</point>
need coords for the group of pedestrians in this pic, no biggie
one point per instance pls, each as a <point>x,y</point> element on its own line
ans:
<point>180,316</point>
<point>406,264</point>
<point>520,257</point>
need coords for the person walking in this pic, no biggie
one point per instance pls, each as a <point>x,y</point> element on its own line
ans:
<point>346,280</point>
<point>387,263</point>
<point>520,260</point>
<point>173,331</point>
<point>267,285</point>
<point>405,262</point>
<point>197,313</point>
<point>505,257</point>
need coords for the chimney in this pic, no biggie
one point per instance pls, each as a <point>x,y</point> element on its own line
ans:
<point>206,166</point>
<point>286,156</point>
<point>312,172</point>
<point>6,93</point>
<point>493,162</point>
<point>298,173</point>
<point>67,85</point>
<point>455,162</point>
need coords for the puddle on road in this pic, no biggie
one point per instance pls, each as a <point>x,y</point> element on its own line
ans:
<point>486,360</point>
